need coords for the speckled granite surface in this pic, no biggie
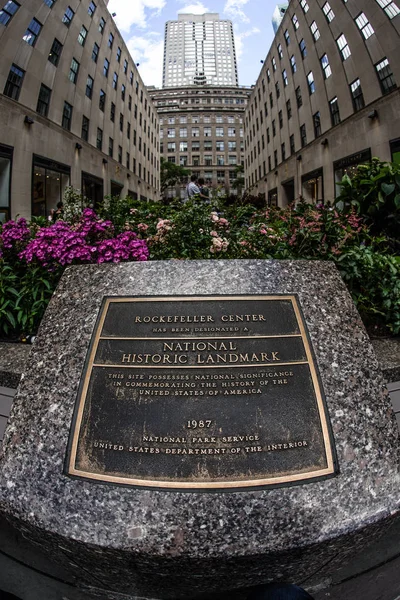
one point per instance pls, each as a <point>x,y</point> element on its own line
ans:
<point>13,360</point>
<point>176,545</point>
<point>388,354</point>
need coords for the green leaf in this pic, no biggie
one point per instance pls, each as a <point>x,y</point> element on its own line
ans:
<point>397,201</point>
<point>387,188</point>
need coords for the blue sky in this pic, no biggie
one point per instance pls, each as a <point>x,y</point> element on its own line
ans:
<point>141,23</point>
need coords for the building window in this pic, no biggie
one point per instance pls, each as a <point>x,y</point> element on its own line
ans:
<point>68,16</point>
<point>283,151</point>
<point>220,160</point>
<point>268,75</point>
<point>67,116</point>
<point>102,24</point>
<point>128,131</point>
<point>280,116</point>
<point>328,12</point>
<point>219,131</point>
<point>291,142</point>
<point>343,47</point>
<point>303,49</point>
<point>8,11</point>
<point>317,124</point>
<point>171,132</point>
<point>289,109</point>
<point>287,37</point>
<point>326,66</point>
<point>115,81</point>
<point>182,132</point>
<point>73,71</point>
<point>295,22</point>
<point>49,180</point>
<point>207,131</point>
<point>125,66</point>
<point>106,67</point>
<point>112,112</point>
<point>99,139</point>
<point>312,187</point>
<point>110,40</point>
<point>280,51</point>
<point>89,86</point>
<point>183,146</point>
<point>55,52</point>
<point>390,8</point>
<point>32,33</point>
<point>277,90</point>
<point>273,128</point>
<point>195,132</point>
<point>95,52</point>
<point>119,52</point>
<point>293,64</point>
<point>14,82</point>
<point>285,77</point>
<point>273,63</point>
<point>385,75</point>
<point>315,31</point>
<point>110,147</point>
<point>275,158</point>
<point>334,108</point>
<point>303,136</point>
<point>43,102</point>
<point>82,35</point>
<point>102,100</point>
<point>120,154</point>
<point>311,84</point>
<point>271,100</point>
<point>121,122</point>
<point>357,95</point>
<point>129,101</point>
<point>85,128</point>
<point>304,5</point>
<point>91,9</point>
<point>364,25</point>
<point>299,99</point>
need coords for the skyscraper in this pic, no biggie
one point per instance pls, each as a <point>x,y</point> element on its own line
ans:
<point>199,50</point>
<point>278,14</point>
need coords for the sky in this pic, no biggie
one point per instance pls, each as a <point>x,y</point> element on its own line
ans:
<point>142,22</point>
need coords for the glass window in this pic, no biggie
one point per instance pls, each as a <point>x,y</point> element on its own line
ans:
<point>67,116</point>
<point>364,25</point>
<point>295,22</point>
<point>91,9</point>
<point>119,52</point>
<point>317,124</point>
<point>102,100</point>
<point>89,86</point>
<point>82,35</point>
<point>326,66</point>
<point>32,33</point>
<point>106,67</point>
<point>85,128</point>
<point>123,92</point>
<point>43,100</point>
<point>285,77</point>
<point>110,40</point>
<point>73,71</point>
<point>304,5</point>
<point>334,108</point>
<point>171,147</point>
<point>8,11</point>
<point>68,16</point>
<point>219,131</point>
<point>287,37</point>
<point>14,81</point>
<point>231,132</point>
<point>102,24</point>
<point>99,139</point>
<point>183,146</point>
<point>55,52</point>
<point>303,136</point>
<point>312,188</point>
<point>291,142</point>
<point>303,49</point>
<point>110,147</point>
<point>273,63</point>
<point>121,122</point>
<point>299,99</point>
<point>343,47</point>
<point>280,51</point>
<point>112,112</point>
<point>95,52</point>
<point>311,84</point>
<point>390,8</point>
<point>293,64</point>
<point>115,81</point>
<point>195,132</point>
<point>315,31</point>
<point>289,109</point>
<point>328,12</point>
<point>357,95</point>
<point>385,76</point>
<point>48,189</point>
<point>182,132</point>
<point>171,132</point>
<point>125,66</point>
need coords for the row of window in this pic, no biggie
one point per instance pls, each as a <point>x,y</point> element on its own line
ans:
<point>207,146</point>
<point>385,77</point>
<point>197,119</point>
<point>206,132</point>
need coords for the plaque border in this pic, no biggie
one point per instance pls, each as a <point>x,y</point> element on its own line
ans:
<point>329,471</point>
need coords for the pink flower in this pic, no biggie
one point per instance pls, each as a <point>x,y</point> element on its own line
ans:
<point>142,227</point>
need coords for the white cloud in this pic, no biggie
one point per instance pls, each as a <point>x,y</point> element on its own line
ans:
<point>149,53</point>
<point>239,37</point>
<point>195,9</point>
<point>134,12</point>
<point>234,10</point>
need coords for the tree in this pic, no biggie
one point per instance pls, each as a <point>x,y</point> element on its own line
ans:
<point>238,182</point>
<point>171,174</point>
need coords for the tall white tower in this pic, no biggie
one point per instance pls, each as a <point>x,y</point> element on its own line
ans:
<point>199,49</point>
<point>278,15</point>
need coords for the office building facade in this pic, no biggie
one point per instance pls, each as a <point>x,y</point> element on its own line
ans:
<point>199,50</point>
<point>201,129</point>
<point>73,108</point>
<point>326,99</point>
<point>277,15</point>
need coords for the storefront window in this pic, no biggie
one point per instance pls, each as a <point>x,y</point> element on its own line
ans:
<point>92,189</point>
<point>313,187</point>
<point>5,182</point>
<point>349,166</point>
<point>49,182</point>
<point>273,197</point>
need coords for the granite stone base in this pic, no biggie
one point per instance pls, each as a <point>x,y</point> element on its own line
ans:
<point>133,542</point>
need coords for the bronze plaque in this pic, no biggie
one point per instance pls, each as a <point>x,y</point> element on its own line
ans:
<point>201,393</point>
